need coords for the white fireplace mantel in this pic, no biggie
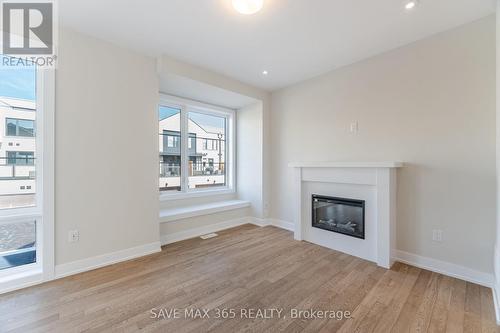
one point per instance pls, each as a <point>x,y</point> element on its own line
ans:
<point>345,165</point>
<point>374,182</point>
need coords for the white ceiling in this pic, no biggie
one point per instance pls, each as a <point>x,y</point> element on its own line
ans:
<point>292,39</point>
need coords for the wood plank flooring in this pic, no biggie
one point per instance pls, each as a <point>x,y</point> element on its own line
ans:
<point>246,269</point>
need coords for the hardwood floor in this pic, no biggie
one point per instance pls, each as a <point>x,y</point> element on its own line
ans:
<point>243,269</point>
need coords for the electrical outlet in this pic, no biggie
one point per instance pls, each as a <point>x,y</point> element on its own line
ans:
<point>437,235</point>
<point>73,236</point>
<point>354,127</point>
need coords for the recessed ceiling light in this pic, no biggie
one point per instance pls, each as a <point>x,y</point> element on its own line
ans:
<point>411,4</point>
<point>265,72</point>
<point>248,7</point>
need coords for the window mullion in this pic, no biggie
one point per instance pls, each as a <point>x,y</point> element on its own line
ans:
<point>184,149</point>
<point>227,157</point>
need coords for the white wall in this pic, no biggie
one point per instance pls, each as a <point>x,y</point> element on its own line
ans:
<point>430,104</point>
<point>106,148</point>
<point>249,156</point>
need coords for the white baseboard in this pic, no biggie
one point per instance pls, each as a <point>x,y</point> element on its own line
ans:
<point>88,264</point>
<point>281,224</point>
<point>274,222</point>
<point>496,288</point>
<point>446,268</point>
<point>496,302</point>
<point>197,232</point>
<point>259,222</point>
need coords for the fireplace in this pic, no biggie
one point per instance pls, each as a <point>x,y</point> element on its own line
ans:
<point>341,215</point>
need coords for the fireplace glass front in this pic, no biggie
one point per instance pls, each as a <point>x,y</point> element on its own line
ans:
<point>341,215</point>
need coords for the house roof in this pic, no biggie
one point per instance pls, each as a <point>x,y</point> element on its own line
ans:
<point>207,129</point>
<point>17,103</point>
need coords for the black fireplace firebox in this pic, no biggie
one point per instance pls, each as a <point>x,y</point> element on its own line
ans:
<point>345,216</point>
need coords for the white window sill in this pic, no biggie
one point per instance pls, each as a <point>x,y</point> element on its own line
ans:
<point>174,214</point>
<point>197,194</point>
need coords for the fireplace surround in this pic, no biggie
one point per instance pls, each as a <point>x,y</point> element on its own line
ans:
<point>371,182</point>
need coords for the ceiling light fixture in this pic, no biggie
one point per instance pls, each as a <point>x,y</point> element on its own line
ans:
<point>248,7</point>
<point>411,4</point>
<point>265,72</point>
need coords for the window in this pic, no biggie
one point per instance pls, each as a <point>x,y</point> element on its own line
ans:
<point>210,144</point>
<point>172,140</point>
<point>192,141</point>
<point>20,127</point>
<point>26,173</point>
<point>23,103</point>
<point>200,146</point>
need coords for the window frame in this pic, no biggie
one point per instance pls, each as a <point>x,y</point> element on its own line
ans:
<point>185,106</point>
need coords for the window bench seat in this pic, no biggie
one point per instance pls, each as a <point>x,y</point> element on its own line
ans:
<point>178,213</point>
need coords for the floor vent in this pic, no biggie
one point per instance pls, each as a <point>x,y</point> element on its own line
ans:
<point>209,236</point>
